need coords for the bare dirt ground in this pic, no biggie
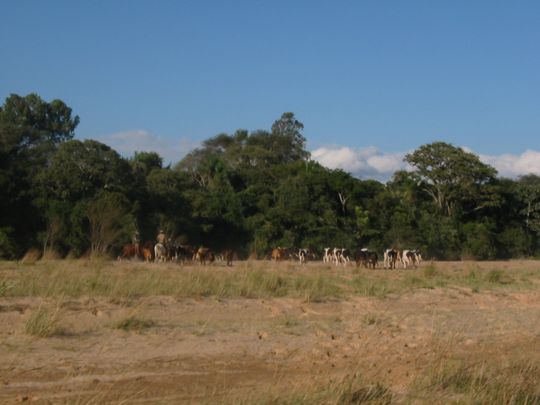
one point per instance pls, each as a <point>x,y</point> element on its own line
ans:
<point>240,350</point>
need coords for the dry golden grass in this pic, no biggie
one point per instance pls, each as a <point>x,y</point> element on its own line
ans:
<point>253,279</point>
<point>31,256</point>
<point>43,322</point>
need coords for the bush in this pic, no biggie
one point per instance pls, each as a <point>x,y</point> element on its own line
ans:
<point>479,241</point>
<point>7,246</point>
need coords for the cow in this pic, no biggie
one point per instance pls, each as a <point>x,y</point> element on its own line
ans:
<point>406,258</point>
<point>130,251</point>
<point>160,253</point>
<point>183,253</point>
<point>367,258</point>
<point>336,255</point>
<point>390,258</point>
<point>418,256</point>
<point>204,255</point>
<point>227,256</point>
<point>344,257</point>
<point>147,251</point>
<point>372,259</point>
<point>147,254</point>
<point>327,257</point>
<point>411,258</point>
<point>360,257</point>
<point>303,256</point>
<point>278,254</point>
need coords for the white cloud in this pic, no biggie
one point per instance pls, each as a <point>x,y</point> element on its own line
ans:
<point>509,165</point>
<point>371,163</point>
<point>127,142</point>
<point>366,162</point>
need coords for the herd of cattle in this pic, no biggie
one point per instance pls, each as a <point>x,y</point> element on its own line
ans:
<point>392,258</point>
<point>173,252</point>
<point>179,253</point>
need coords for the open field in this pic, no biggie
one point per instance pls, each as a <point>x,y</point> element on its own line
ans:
<point>108,332</point>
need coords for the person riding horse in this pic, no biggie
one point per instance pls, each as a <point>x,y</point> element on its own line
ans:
<point>136,241</point>
<point>161,237</point>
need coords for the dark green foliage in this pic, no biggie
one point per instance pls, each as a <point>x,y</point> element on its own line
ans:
<point>30,132</point>
<point>81,169</point>
<point>452,177</point>
<point>248,191</point>
<point>479,240</point>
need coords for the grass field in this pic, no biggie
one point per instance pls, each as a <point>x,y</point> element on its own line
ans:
<point>261,332</point>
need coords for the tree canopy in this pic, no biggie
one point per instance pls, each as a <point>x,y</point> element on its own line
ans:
<point>248,191</point>
<point>450,175</point>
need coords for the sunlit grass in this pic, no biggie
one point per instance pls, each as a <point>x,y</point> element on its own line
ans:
<point>43,322</point>
<point>314,283</point>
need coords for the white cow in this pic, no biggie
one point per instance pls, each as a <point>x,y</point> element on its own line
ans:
<point>390,258</point>
<point>417,256</point>
<point>302,256</point>
<point>344,257</point>
<point>411,258</point>
<point>327,257</point>
<point>336,253</point>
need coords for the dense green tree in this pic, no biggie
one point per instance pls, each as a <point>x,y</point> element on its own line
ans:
<point>72,183</point>
<point>528,190</point>
<point>166,205</point>
<point>145,162</point>
<point>110,222</point>
<point>287,140</point>
<point>250,191</point>
<point>451,176</point>
<point>31,126</point>
<point>80,169</point>
<point>30,131</point>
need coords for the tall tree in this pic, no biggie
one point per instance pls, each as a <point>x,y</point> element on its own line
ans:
<point>76,175</point>
<point>30,131</point>
<point>528,188</point>
<point>80,169</point>
<point>287,137</point>
<point>450,175</point>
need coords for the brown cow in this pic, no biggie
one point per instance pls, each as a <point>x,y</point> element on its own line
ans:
<point>147,254</point>
<point>278,254</point>
<point>204,255</point>
<point>130,251</point>
<point>184,253</point>
<point>147,251</point>
<point>228,256</point>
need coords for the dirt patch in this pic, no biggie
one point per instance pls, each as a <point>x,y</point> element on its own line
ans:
<point>241,350</point>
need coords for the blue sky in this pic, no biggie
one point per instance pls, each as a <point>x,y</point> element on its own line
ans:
<point>367,78</point>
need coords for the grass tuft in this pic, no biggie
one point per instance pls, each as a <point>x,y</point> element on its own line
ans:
<point>43,323</point>
<point>372,394</point>
<point>370,287</point>
<point>133,323</point>
<point>514,383</point>
<point>430,271</point>
<point>499,277</point>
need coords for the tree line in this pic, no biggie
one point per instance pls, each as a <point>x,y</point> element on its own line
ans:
<point>247,191</point>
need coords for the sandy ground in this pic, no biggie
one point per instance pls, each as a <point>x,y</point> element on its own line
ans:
<point>207,350</point>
